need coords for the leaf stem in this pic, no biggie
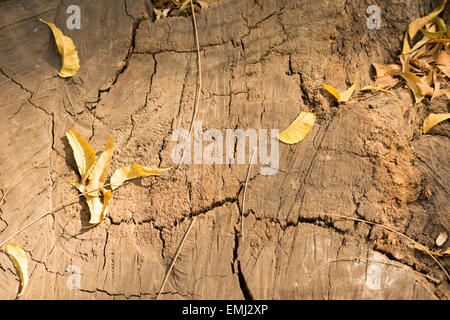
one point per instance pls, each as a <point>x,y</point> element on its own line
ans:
<point>199,81</point>
<point>175,258</point>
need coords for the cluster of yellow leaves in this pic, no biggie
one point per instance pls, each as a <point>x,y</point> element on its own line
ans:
<point>93,170</point>
<point>426,66</point>
<point>165,8</point>
<point>92,186</point>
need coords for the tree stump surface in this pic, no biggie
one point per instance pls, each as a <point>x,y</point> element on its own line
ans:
<point>263,63</point>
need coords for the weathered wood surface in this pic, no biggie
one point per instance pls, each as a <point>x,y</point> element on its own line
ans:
<point>263,63</point>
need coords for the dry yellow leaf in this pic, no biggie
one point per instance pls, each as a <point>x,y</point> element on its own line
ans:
<point>69,55</point>
<point>346,95</point>
<point>341,97</point>
<point>83,153</point>
<point>107,196</point>
<point>95,208</point>
<point>439,253</point>
<point>419,88</point>
<point>369,88</point>
<point>334,92</point>
<point>98,209</point>
<point>97,176</point>
<point>19,258</point>
<point>130,172</point>
<point>298,129</point>
<point>433,119</point>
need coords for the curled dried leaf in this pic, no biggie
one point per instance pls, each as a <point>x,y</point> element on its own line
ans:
<point>97,176</point>
<point>298,129</point>
<point>95,208</point>
<point>19,258</point>
<point>433,119</point>
<point>98,209</point>
<point>66,48</point>
<point>130,172</point>
<point>419,88</point>
<point>83,153</point>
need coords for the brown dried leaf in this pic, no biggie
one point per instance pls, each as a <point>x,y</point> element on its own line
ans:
<point>387,69</point>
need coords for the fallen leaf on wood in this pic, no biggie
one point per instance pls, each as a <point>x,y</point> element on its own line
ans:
<point>83,153</point>
<point>298,129</point>
<point>97,208</point>
<point>130,172</point>
<point>433,119</point>
<point>387,69</point>
<point>97,176</point>
<point>386,82</point>
<point>341,97</point>
<point>419,88</point>
<point>94,171</point>
<point>66,48</point>
<point>439,253</point>
<point>369,88</point>
<point>19,258</point>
